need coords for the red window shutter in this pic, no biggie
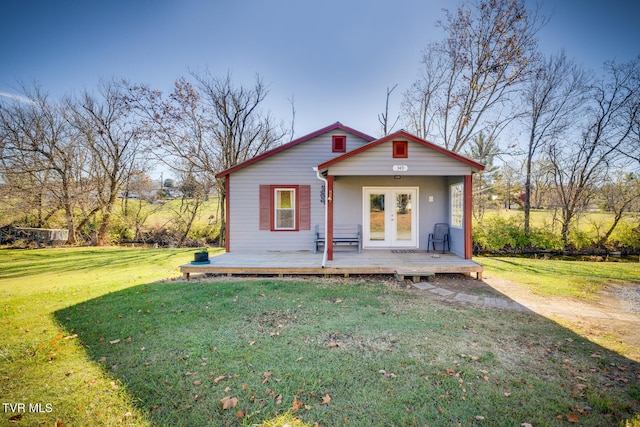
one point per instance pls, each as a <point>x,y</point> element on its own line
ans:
<point>265,207</point>
<point>304,209</point>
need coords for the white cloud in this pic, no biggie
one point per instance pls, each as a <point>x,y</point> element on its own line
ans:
<point>18,98</point>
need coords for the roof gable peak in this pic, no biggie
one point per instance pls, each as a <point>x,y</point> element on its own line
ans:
<point>293,143</point>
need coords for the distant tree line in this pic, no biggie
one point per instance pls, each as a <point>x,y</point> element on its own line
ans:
<point>486,88</point>
<point>84,157</point>
<point>551,134</point>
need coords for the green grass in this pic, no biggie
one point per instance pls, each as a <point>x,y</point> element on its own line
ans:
<point>106,344</point>
<point>562,278</point>
<point>40,361</point>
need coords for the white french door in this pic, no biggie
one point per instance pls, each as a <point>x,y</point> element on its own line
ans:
<point>390,217</point>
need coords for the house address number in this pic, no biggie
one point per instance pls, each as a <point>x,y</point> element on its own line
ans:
<point>400,168</point>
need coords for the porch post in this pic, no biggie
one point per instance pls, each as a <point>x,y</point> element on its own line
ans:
<point>227,214</point>
<point>468,214</point>
<point>329,230</point>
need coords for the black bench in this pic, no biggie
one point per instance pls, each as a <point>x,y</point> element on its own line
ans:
<point>347,233</point>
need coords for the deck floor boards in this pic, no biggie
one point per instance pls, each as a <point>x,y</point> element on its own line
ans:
<point>344,263</point>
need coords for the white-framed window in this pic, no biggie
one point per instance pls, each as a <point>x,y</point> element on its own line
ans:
<point>456,197</point>
<point>284,208</point>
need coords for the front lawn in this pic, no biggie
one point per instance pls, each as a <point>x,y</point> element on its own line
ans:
<point>103,343</point>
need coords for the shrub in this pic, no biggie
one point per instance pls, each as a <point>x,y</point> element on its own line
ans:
<point>544,238</point>
<point>580,239</point>
<point>498,233</point>
<point>627,236</point>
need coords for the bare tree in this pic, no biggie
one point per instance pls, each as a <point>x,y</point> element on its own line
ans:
<point>580,162</point>
<point>619,191</point>
<point>483,150</point>
<point>384,117</point>
<point>38,146</point>
<point>469,78</point>
<point>553,97</point>
<point>209,127</point>
<point>110,133</point>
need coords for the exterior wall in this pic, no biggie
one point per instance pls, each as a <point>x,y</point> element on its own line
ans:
<point>349,206</point>
<point>420,161</point>
<point>289,167</point>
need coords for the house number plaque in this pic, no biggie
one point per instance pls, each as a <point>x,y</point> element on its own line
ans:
<point>400,168</point>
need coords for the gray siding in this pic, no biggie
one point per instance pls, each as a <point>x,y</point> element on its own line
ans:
<point>293,167</point>
<point>421,161</point>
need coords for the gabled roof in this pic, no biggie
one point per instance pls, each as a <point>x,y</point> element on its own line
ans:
<point>335,126</point>
<point>403,135</point>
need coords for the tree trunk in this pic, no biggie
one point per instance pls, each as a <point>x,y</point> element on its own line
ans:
<point>72,239</point>
<point>527,198</point>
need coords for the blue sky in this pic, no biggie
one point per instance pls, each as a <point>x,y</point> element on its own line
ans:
<point>334,57</point>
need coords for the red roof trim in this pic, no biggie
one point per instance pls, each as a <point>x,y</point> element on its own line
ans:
<point>403,134</point>
<point>336,125</point>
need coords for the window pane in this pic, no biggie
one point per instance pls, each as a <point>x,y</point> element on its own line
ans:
<point>457,205</point>
<point>285,218</point>
<point>284,199</point>
<point>403,216</point>
<point>376,217</point>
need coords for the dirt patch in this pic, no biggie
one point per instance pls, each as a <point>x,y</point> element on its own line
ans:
<point>615,312</point>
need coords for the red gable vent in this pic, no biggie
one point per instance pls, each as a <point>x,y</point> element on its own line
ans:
<point>400,149</point>
<point>339,143</point>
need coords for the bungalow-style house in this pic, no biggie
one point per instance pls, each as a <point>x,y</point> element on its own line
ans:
<point>394,189</point>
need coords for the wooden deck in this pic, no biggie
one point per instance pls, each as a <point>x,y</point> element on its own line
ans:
<point>411,263</point>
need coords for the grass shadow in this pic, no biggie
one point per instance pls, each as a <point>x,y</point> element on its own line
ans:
<point>336,351</point>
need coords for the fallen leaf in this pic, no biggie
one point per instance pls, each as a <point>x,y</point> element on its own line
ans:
<point>326,399</point>
<point>297,404</point>
<point>220,378</point>
<point>229,402</point>
<point>227,389</point>
<point>129,339</point>
<point>333,344</point>
<point>526,425</point>
<point>507,394</point>
<point>266,377</point>
<point>240,414</point>
<point>114,342</point>
<point>479,418</point>
<point>197,382</point>
<point>59,423</point>
<point>573,417</point>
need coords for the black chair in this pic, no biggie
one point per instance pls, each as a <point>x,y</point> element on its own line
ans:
<point>440,235</point>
